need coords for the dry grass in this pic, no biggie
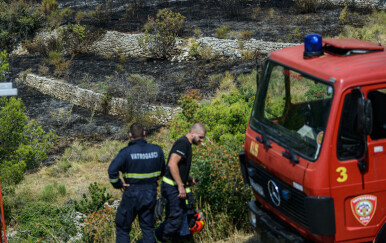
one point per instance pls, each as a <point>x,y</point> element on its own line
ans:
<point>81,165</point>
<point>241,237</point>
<point>76,184</point>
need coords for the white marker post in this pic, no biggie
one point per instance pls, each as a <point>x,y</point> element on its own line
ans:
<point>7,90</point>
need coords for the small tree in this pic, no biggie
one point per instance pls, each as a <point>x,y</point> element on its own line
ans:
<point>161,33</point>
<point>143,92</point>
<point>24,145</point>
<point>96,200</point>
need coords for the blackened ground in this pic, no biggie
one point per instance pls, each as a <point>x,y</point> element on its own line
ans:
<point>270,21</point>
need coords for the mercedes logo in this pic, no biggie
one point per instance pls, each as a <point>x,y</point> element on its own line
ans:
<point>274,192</point>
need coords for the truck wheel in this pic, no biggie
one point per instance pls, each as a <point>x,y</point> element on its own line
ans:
<point>381,237</point>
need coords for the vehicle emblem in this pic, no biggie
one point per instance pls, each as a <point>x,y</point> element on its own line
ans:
<point>363,208</point>
<point>274,192</point>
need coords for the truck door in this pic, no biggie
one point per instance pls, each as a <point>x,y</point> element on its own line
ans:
<point>359,196</point>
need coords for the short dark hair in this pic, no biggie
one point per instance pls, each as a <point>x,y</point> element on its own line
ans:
<point>136,130</point>
<point>198,127</point>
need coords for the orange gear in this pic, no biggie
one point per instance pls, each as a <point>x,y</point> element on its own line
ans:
<point>199,224</point>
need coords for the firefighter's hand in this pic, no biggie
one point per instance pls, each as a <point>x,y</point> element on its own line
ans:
<point>191,181</point>
<point>124,187</point>
<point>181,192</point>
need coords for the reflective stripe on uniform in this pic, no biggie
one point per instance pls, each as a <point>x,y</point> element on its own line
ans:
<point>141,175</point>
<point>169,181</point>
<point>114,180</point>
<point>173,183</point>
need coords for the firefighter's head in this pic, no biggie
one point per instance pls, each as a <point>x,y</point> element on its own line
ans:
<point>137,131</point>
<point>197,133</point>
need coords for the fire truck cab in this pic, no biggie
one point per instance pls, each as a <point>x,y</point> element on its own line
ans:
<point>315,147</point>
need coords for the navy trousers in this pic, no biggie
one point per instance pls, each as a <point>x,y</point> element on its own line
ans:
<point>137,200</point>
<point>175,212</point>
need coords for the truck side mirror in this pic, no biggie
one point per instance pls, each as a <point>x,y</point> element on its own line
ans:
<point>365,116</point>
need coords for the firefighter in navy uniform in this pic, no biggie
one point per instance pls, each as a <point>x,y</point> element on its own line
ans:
<point>175,182</point>
<point>141,165</point>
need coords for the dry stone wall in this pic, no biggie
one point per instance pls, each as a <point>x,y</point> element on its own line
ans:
<point>89,99</point>
<point>116,43</point>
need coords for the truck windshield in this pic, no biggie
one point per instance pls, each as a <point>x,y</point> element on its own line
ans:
<point>292,109</point>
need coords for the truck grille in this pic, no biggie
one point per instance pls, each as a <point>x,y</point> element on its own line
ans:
<point>294,207</point>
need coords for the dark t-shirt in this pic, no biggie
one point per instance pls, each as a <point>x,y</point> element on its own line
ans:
<point>183,148</point>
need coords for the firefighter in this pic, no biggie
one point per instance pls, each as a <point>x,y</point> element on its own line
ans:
<point>141,165</point>
<point>175,181</point>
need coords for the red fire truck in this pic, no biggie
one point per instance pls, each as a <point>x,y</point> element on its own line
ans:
<point>315,147</point>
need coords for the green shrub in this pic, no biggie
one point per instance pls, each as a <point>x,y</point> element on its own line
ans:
<point>51,192</point>
<point>73,38</point>
<point>207,53</point>
<point>55,58</point>
<point>221,32</point>
<point>7,208</point>
<point>24,145</point>
<point>226,117</point>
<point>143,90</point>
<point>193,51</point>
<point>246,34</point>
<point>18,21</point>
<point>61,65</point>
<point>343,14</point>
<point>3,64</point>
<point>197,32</point>
<point>96,200</point>
<point>79,16</point>
<point>48,6</point>
<point>67,15</point>
<point>48,194</point>
<point>221,184</point>
<point>161,33</point>
<point>247,55</point>
<point>43,221</point>
<point>271,12</point>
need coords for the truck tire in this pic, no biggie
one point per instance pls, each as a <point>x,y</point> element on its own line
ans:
<point>381,237</point>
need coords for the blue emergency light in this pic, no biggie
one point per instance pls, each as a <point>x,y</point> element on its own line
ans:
<point>312,46</point>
